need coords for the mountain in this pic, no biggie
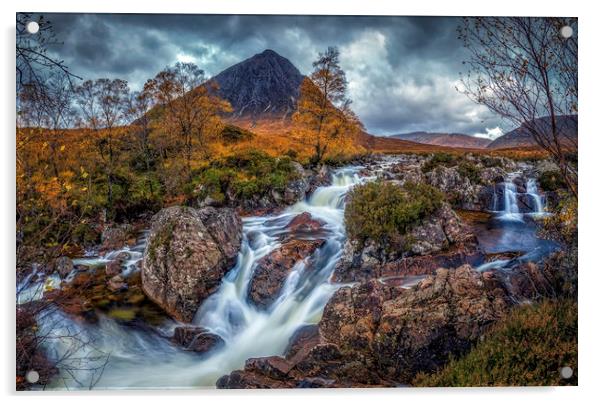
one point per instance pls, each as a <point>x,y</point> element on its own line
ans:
<point>264,89</point>
<point>265,84</point>
<point>520,137</point>
<point>445,139</point>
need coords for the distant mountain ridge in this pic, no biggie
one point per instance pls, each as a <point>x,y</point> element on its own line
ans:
<point>445,139</point>
<point>264,84</point>
<point>520,137</point>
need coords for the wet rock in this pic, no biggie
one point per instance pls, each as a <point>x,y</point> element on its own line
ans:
<point>526,203</point>
<point>301,342</point>
<point>273,269</point>
<point>296,189</point>
<point>188,252</point>
<point>240,379</point>
<point>63,266</point>
<point>304,223</point>
<point>320,179</point>
<point>274,367</point>
<point>196,339</point>
<point>117,265</point>
<point>114,238</point>
<point>520,184</point>
<point>116,283</point>
<point>529,281</point>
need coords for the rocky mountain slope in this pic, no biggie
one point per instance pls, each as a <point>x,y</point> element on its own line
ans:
<point>444,139</point>
<point>520,137</point>
<point>264,84</point>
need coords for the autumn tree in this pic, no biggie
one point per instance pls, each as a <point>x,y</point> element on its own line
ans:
<point>323,109</point>
<point>138,111</point>
<point>103,105</point>
<point>191,106</point>
<point>523,69</point>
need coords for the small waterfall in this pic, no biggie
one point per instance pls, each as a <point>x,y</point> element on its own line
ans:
<point>142,359</point>
<point>511,196</point>
<point>534,194</point>
<point>511,210</point>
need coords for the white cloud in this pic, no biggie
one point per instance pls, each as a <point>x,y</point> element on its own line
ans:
<point>490,133</point>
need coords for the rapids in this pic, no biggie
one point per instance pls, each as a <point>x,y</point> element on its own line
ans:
<point>112,355</point>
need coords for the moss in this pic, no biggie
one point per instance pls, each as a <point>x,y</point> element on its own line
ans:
<point>122,314</point>
<point>161,238</point>
<point>470,170</point>
<point>527,348</point>
<point>438,160</point>
<point>385,212</point>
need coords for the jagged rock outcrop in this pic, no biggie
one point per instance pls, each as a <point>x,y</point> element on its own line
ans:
<point>188,252</point>
<point>441,240</point>
<point>372,334</point>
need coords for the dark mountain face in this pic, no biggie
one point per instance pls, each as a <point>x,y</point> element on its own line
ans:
<point>520,137</point>
<point>445,139</point>
<point>265,84</point>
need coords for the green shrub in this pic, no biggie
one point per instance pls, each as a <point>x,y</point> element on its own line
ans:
<point>489,162</point>
<point>470,170</point>
<point>439,159</point>
<point>551,181</point>
<point>249,174</point>
<point>527,348</point>
<point>384,212</point>
<point>235,134</point>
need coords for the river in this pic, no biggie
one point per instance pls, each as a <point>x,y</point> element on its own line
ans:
<point>113,355</point>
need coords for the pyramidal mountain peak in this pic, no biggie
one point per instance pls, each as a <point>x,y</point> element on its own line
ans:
<point>264,84</point>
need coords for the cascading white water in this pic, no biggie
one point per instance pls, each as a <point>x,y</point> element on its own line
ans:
<point>146,359</point>
<point>511,210</point>
<point>534,194</point>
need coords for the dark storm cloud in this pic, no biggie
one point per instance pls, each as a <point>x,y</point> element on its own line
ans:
<point>402,72</point>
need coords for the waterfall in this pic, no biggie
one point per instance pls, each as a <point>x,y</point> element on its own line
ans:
<point>142,359</point>
<point>511,210</point>
<point>534,194</point>
<point>511,196</point>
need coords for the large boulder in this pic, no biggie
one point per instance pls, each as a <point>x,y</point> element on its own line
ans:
<point>188,252</point>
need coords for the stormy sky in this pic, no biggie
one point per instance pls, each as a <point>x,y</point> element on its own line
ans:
<point>402,71</point>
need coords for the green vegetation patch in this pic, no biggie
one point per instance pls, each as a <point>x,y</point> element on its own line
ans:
<point>244,175</point>
<point>551,181</point>
<point>439,159</point>
<point>384,212</point>
<point>234,134</point>
<point>527,348</point>
<point>470,170</point>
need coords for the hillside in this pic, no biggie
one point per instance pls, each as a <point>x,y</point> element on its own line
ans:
<point>520,137</point>
<point>444,139</point>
